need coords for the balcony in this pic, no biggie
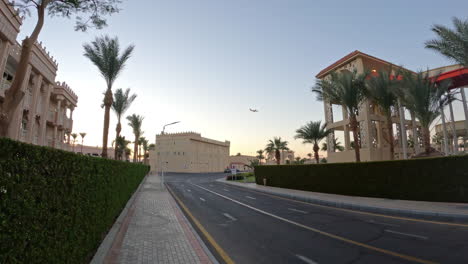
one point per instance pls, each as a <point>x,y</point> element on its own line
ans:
<point>51,116</point>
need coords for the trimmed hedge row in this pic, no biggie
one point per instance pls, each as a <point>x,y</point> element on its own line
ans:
<point>57,206</point>
<point>442,179</point>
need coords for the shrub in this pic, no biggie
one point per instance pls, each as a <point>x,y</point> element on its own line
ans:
<point>442,179</point>
<point>56,206</point>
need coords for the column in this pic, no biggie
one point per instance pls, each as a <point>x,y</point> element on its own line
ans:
<point>465,108</point>
<point>404,142</point>
<point>32,108</point>
<point>4,51</point>
<point>45,115</point>
<point>415,134</point>
<point>55,136</point>
<point>444,131</point>
<point>15,122</point>
<point>454,130</point>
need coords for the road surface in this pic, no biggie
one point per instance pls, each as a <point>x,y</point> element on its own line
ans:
<point>245,226</point>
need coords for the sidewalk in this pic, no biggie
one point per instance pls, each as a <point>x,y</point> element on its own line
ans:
<point>152,229</point>
<point>430,210</point>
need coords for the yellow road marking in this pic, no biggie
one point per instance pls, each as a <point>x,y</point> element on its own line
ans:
<point>353,211</point>
<point>210,239</point>
<point>381,250</point>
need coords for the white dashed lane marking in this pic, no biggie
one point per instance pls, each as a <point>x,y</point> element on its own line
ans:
<point>298,211</point>
<point>305,259</point>
<point>405,234</point>
<point>232,218</point>
<point>203,200</point>
<point>250,197</point>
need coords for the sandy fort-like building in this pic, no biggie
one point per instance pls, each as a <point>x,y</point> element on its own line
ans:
<point>189,152</point>
<point>45,114</point>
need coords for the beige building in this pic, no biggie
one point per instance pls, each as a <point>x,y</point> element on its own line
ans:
<point>287,156</point>
<point>45,115</point>
<point>372,124</point>
<point>94,151</point>
<point>189,152</point>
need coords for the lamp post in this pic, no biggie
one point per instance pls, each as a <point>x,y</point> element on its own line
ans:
<point>162,163</point>
<point>164,127</point>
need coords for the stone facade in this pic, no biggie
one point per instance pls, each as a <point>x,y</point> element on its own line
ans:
<point>189,152</point>
<point>45,115</point>
<point>372,123</point>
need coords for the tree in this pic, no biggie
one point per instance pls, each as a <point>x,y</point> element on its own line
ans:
<point>424,97</point>
<point>104,53</point>
<point>143,143</point>
<point>135,122</point>
<point>83,135</point>
<point>95,10</point>
<point>336,143</point>
<point>437,139</point>
<point>452,43</point>
<point>309,155</point>
<point>121,103</point>
<point>260,155</point>
<point>121,144</point>
<point>346,89</point>
<point>313,133</point>
<point>74,136</point>
<point>380,90</point>
<point>276,146</point>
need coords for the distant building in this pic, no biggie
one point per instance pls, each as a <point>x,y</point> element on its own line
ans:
<point>189,152</point>
<point>287,156</point>
<point>241,162</point>
<point>45,114</point>
<point>94,151</point>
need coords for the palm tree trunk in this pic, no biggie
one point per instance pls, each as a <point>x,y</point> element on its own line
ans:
<point>135,148</point>
<point>354,127</point>
<point>105,134</point>
<point>117,134</point>
<point>426,140</point>
<point>14,95</point>
<point>390,135</point>
<point>278,157</point>
<point>316,150</point>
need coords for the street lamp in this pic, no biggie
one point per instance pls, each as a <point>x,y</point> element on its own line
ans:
<point>162,163</point>
<point>164,127</point>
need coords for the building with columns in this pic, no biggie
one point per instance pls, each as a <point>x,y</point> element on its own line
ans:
<point>372,124</point>
<point>45,115</point>
<point>189,152</point>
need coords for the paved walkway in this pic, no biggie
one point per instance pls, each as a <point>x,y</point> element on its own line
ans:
<point>152,229</point>
<point>433,210</point>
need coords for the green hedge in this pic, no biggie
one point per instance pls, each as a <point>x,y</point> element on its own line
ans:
<point>432,179</point>
<point>57,206</point>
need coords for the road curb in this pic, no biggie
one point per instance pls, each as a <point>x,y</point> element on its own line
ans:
<point>364,208</point>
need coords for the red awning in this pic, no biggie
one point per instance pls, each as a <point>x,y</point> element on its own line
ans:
<point>459,78</point>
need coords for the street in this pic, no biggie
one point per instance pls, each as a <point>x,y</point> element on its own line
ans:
<point>251,227</point>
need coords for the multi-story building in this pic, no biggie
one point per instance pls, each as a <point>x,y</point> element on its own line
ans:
<point>373,134</point>
<point>189,152</point>
<point>286,157</point>
<point>45,115</point>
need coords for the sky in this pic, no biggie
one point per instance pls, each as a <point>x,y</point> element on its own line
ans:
<point>206,62</point>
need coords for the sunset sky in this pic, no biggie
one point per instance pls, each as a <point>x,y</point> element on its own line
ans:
<point>205,63</point>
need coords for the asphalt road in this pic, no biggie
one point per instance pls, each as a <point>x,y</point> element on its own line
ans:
<point>252,227</point>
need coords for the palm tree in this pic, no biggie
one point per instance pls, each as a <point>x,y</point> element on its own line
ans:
<point>424,97</point>
<point>121,103</point>
<point>135,121</point>
<point>347,89</point>
<point>83,135</point>
<point>104,52</point>
<point>309,155</point>
<point>452,43</point>
<point>336,143</point>
<point>313,133</point>
<point>260,155</point>
<point>380,90</point>
<point>145,146</point>
<point>120,145</point>
<point>74,136</point>
<point>276,146</point>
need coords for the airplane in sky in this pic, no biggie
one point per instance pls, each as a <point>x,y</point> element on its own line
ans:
<point>253,110</point>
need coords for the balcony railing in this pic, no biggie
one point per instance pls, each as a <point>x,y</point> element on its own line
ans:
<point>51,116</point>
